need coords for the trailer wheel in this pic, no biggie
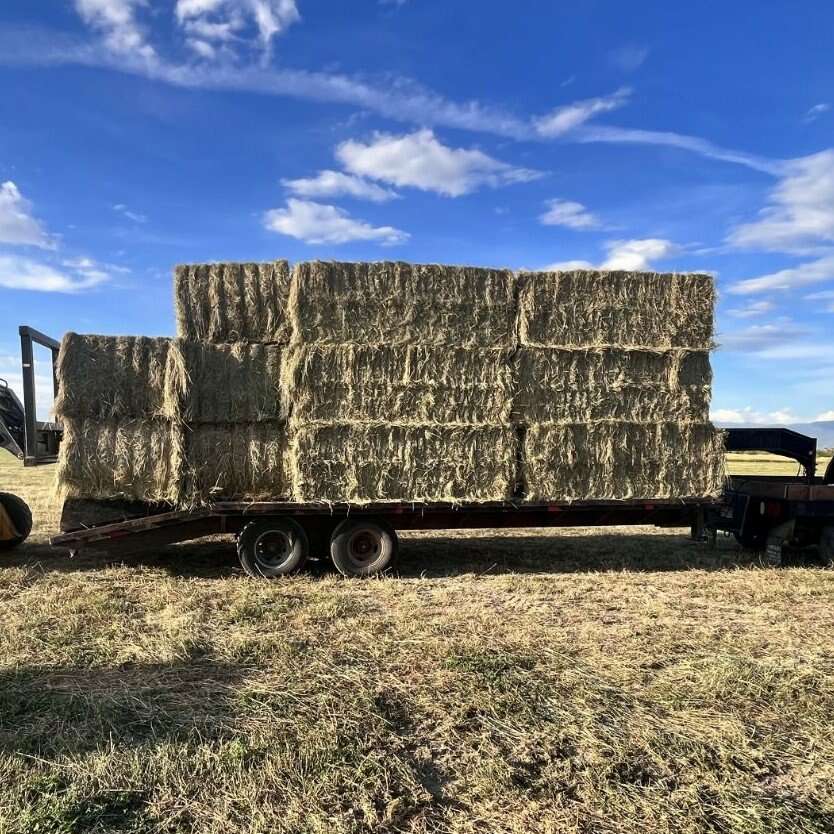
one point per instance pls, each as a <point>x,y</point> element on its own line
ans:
<point>18,516</point>
<point>363,547</point>
<point>272,547</point>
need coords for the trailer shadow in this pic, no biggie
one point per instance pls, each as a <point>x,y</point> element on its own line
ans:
<point>437,554</point>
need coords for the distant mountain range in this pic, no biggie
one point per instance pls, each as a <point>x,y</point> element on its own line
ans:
<point>823,430</point>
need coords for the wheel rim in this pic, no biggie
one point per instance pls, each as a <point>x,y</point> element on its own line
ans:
<point>364,547</point>
<point>273,549</point>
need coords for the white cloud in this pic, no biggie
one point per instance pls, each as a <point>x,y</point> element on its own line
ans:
<point>566,266</point>
<point>630,255</point>
<point>752,309</point>
<point>209,23</point>
<point>336,184</point>
<point>319,223</point>
<point>419,160</point>
<point>811,272</point>
<point>564,119</point>
<point>568,213</point>
<point>637,255</point>
<point>826,296</point>
<point>750,415</point>
<point>18,273</point>
<point>116,20</point>
<point>693,144</point>
<point>813,113</point>
<point>800,212</point>
<point>122,209</point>
<point>762,338</point>
<point>628,58</point>
<point>17,225</point>
<point>826,415</point>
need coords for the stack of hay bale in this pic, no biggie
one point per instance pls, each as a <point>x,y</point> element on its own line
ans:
<point>399,382</point>
<point>233,330</point>
<point>614,385</point>
<point>120,413</point>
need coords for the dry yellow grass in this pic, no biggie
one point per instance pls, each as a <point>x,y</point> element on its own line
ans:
<point>505,681</point>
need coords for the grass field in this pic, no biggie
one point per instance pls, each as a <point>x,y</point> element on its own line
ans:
<point>619,680</point>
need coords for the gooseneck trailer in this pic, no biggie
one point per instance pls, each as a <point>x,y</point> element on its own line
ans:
<point>773,514</point>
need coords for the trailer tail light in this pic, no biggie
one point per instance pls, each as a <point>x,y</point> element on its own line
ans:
<point>771,509</point>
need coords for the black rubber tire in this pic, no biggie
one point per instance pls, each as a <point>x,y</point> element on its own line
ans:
<point>21,517</point>
<point>284,552</point>
<point>363,547</point>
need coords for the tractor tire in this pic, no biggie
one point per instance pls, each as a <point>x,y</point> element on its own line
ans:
<point>21,517</point>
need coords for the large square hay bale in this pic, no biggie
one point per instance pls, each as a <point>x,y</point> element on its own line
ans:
<point>400,303</point>
<point>114,377</point>
<point>231,383</point>
<point>233,302</point>
<point>624,309</point>
<point>365,462</point>
<point>399,384</point>
<point>133,459</point>
<point>246,461</point>
<point>617,460</point>
<point>583,385</point>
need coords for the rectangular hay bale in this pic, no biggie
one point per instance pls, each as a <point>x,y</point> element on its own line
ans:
<point>583,385</point>
<point>231,383</point>
<point>399,384</point>
<point>617,460</point>
<point>399,303</point>
<point>361,463</point>
<point>233,302</point>
<point>138,460</point>
<point>247,461</point>
<point>116,377</point>
<point>625,309</point>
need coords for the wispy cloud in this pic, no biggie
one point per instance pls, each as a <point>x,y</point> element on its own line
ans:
<point>569,117</point>
<point>758,338</point>
<point>21,273</point>
<point>694,144</point>
<point>420,160</point>
<point>800,210</point>
<point>17,224</point>
<point>212,25</point>
<point>629,57</point>
<point>811,272</point>
<point>319,223</point>
<point>813,113</point>
<point>568,213</point>
<point>752,309</point>
<point>122,209</point>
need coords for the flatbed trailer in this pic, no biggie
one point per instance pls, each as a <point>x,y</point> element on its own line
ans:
<point>276,537</point>
<point>773,514</point>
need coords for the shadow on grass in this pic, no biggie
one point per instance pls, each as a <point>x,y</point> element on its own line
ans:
<point>431,554</point>
<point>46,712</point>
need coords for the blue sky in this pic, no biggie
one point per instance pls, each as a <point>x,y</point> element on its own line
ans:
<point>137,134</point>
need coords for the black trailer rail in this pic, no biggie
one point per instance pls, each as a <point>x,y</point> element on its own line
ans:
<point>167,527</point>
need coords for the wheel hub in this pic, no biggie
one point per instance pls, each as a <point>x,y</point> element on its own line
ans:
<point>364,547</point>
<point>272,548</point>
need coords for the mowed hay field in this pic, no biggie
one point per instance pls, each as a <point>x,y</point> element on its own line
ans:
<point>617,680</point>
